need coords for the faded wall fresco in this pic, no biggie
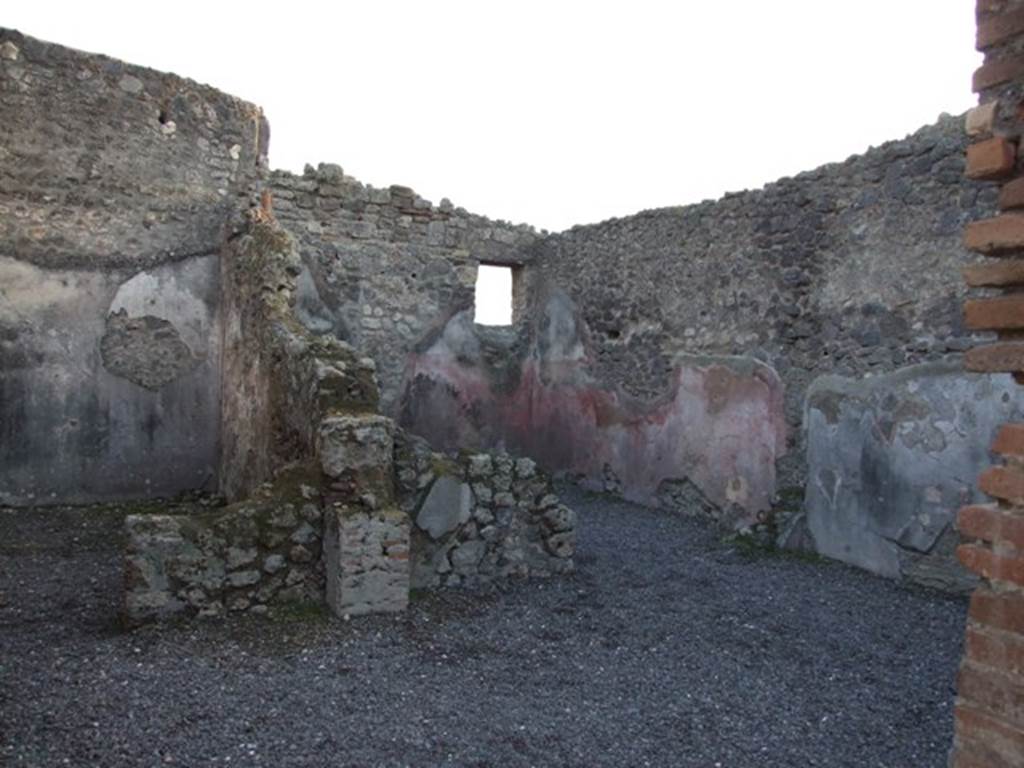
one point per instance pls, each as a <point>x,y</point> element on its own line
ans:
<point>712,440</point>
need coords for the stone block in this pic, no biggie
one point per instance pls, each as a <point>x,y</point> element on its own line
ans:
<point>359,445</point>
<point>465,557</point>
<point>366,556</point>
<point>447,506</point>
<point>891,459</point>
<point>980,120</point>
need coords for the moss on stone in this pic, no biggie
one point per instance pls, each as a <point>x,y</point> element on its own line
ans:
<point>300,612</point>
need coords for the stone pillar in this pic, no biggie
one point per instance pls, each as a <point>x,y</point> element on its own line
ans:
<point>366,543</point>
<point>990,688</point>
<point>366,553</point>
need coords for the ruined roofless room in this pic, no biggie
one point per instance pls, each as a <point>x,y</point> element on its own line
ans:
<point>299,470</point>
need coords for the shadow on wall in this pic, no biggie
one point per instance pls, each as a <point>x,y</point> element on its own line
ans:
<point>713,438</point>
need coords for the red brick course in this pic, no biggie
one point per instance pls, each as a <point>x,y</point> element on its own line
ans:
<point>998,610</point>
<point>1011,195</point>
<point>995,273</point>
<point>996,649</point>
<point>1005,483</point>
<point>1009,440</point>
<point>998,72</point>
<point>1004,357</point>
<point>987,564</point>
<point>993,158</point>
<point>998,29</point>
<point>990,523</point>
<point>998,235</point>
<point>987,738</point>
<point>996,694</point>
<point>1000,313</point>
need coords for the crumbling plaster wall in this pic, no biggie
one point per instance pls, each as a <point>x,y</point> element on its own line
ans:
<point>664,355</point>
<point>849,269</point>
<point>118,187</point>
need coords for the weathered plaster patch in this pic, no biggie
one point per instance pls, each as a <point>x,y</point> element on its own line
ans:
<point>185,293</point>
<point>146,350</point>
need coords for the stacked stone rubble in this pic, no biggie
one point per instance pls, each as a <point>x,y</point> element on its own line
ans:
<point>254,554</point>
<point>481,517</point>
<point>990,704</point>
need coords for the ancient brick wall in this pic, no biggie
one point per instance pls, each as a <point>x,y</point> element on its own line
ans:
<point>118,187</point>
<point>990,704</point>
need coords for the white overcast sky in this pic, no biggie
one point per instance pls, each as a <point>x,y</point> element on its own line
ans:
<point>553,113</point>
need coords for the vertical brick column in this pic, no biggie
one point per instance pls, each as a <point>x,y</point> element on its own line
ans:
<point>990,687</point>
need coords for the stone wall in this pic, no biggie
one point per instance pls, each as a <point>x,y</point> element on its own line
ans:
<point>118,188</point>
<point>281,382</point>
<point>709,445</point>
<point>302,445</point>
<point>480,517</point>
<point>257,553</point>
<point>384,267</point>
<point>324,514</point>
<point>667,355</point>
<point>849,269</point>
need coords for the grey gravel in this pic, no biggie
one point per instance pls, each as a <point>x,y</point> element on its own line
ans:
<point>669,647</point>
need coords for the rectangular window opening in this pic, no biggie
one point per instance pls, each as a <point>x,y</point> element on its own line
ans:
<point>493,298</point>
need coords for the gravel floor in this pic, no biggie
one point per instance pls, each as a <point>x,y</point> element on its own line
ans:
<point>668,648</point>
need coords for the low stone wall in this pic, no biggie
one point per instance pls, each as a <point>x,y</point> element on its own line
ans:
<point>260,552</point>
<point>459,521</point>
<point>481,517</point>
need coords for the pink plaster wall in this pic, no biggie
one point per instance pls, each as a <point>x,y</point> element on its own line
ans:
<point>720,425</point>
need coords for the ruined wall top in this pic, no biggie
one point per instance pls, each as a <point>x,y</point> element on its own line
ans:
<point>106,164</point>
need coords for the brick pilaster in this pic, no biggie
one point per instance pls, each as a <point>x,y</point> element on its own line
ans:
<point>990,702</point>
